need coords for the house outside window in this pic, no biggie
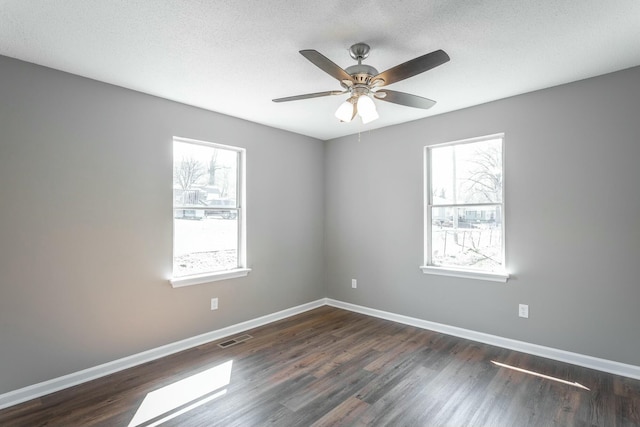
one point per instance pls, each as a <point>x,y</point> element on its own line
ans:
<point>464,209</point>
<point>208,212</point>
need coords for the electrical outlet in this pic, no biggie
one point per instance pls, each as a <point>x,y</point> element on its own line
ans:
<point>214,303</point>
<point>354,283</point>
<point>523,311</point>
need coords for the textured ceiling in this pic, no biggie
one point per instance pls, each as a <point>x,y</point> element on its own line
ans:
<point>233,57</point>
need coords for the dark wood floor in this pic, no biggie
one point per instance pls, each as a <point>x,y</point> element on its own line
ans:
<point>330,367</point>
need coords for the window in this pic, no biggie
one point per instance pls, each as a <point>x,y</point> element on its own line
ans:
<point>208,212</point>
<point>464,209</point>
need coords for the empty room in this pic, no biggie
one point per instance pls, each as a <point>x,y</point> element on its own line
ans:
<point>420,213</point>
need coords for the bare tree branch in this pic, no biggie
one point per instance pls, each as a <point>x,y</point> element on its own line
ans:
<point>485,179</point>
<point>188,171</point>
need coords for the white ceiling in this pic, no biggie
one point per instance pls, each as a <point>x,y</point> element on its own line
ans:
<point>233,57</point>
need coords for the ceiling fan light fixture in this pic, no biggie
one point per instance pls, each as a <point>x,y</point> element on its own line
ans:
<point>345,111</point>
<point>360,80</point>
<point>365,105</point>
<point>367,109</point>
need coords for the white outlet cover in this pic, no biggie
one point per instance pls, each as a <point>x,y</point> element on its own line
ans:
<point>214,303</point>
<point>523,311</point>
<point>354,283</point>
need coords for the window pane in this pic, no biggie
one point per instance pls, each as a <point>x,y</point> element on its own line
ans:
<point>204,175</point>
<point>442,176</point>
<point>479,172</point>
<point>469,237</point>
<point>204,241</point>
<point>467,173</point>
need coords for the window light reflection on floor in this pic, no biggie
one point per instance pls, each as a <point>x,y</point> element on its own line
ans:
<point>574,384</point>
<point>167,399</point>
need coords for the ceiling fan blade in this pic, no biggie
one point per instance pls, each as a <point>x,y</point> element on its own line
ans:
<point>326,65</point>
<point>411,68</point>
<point>309,95</point>
<point>404,99</point>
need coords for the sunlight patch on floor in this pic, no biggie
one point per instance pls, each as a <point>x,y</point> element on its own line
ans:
<point>574,384</point>
<point>173,396</point>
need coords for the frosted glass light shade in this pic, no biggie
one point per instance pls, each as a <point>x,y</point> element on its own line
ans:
<point>365,105</point>
<point>367,109</point>
<point>344,112</point>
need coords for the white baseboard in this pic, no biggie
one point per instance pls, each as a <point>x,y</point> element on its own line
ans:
<point>612,367</point>
<point>37,390</point>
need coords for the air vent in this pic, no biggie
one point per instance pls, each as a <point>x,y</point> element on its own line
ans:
<point>234,341</point>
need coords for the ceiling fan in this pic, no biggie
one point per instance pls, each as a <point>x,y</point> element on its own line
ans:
<point>363,82</point>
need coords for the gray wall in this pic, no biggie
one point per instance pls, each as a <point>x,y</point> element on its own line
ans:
<point>572,211</point>
<point>86,224</point>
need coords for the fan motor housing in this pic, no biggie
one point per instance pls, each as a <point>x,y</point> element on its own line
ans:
<point>361,73</point>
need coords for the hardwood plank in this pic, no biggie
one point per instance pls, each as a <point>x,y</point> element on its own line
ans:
<point>345,414</point>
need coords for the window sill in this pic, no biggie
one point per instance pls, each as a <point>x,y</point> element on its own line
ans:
<point>467,274</point>
<point>208,277</point>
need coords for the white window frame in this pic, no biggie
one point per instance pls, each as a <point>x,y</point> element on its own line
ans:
<point>242,270</point>
<point>428,267</point>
